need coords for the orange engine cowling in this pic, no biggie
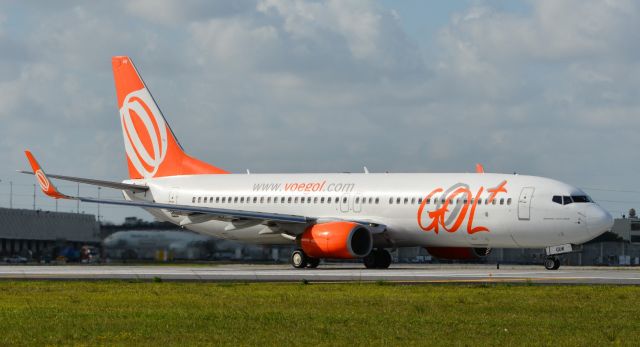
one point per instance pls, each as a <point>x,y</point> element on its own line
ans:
<point>458,253</point>
<point>338,240</point>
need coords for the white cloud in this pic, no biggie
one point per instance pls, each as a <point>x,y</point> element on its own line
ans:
<point>330,85</point>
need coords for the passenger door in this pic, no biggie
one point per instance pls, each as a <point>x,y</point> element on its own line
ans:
<point>524,203</point>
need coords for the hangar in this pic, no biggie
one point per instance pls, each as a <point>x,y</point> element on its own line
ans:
<point>36,232</point>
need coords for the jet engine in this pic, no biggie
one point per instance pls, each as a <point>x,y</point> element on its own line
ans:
<point>458,253</point>
<point>338,240</point>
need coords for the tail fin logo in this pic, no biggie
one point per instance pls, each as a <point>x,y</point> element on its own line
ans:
<point>42,180</point>
<point>145,132</point>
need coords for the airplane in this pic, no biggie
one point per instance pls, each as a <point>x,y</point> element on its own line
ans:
<point>336,215</point>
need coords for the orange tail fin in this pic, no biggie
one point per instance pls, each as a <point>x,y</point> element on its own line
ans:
<point>151,147</point>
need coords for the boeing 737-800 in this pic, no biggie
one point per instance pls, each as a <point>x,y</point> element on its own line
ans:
<point>337,216</point>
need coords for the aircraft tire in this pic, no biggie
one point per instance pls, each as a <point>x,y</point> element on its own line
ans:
<point>298,259</point>
<point>552,263</point>
<point>313,263</point>
<point>377,259</point>
<point>384,259</point>
<point>370,261</point>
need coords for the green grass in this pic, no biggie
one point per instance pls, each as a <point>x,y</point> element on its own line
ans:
<point>175,313</point>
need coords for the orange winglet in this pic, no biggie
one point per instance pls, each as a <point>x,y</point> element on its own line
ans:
<point>479,168</point>
<point>46,185</point>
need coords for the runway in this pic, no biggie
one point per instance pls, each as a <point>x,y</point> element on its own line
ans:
<point>327,273</point>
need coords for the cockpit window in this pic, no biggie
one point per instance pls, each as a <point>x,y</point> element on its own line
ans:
<point>581,198</point>
<point>566,200</point>
<point>557,199</point>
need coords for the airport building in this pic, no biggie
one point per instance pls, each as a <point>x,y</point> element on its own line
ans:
<point>35,233</point>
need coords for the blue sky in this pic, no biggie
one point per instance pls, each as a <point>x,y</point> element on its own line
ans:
<point>548,88</point>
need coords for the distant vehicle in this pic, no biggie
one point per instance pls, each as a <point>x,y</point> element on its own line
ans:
<point>15,260</point>
<point>338,216</point>
<point>144,244</point>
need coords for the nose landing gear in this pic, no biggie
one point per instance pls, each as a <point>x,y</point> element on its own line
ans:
<point>552,263</point>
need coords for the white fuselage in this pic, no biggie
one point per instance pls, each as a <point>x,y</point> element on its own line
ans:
<point>430,210</point>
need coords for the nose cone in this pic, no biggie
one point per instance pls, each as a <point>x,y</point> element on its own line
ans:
<point>598,221</point>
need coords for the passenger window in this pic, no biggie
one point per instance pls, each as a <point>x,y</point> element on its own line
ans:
<point>397,200</point>
<point>413,201</point>
<point>493,202</point>
<point>377,200</point>
<point>419,201</point>
<point>255,199</point>
<point>357,200</point>
<point>370,201</point>
<point>262,199</point>
<point>509,201</point>
<point>501,201</point>
<point>390,201</point>
<point>566,200</point>
<point>486,201</point>
<point>289,200</point>
<point>235,199</point>
<point>193,199</point>
<point>344,200</point>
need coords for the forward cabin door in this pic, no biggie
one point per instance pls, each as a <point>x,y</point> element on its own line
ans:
<point>524,203</point>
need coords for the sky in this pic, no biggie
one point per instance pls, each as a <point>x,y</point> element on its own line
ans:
<point>548,88</point>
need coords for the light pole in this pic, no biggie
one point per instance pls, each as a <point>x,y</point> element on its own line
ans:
<point>10,194</point>
<point>99,204</point>
<point>34,197</point>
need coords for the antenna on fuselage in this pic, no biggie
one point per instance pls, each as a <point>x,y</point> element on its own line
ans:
<point>366,170</point>
<point>248,172</point>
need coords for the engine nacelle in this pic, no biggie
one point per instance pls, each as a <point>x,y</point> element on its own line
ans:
<point>337,240</point>
<point>458,253</point>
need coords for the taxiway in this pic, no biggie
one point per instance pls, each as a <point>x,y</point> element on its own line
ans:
<point>327,273</point>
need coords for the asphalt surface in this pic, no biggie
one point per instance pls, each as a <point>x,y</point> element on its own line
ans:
<point>328,273</point>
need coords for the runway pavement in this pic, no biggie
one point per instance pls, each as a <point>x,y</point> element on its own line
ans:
<point>328,273</point>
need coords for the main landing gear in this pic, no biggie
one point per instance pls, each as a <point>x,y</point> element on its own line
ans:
<point>377,259</point>
<point>552,263</point>
<point>300,260</point>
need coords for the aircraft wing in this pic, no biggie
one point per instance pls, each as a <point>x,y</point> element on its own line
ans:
<point>213,213</point>
<point>101,183</point>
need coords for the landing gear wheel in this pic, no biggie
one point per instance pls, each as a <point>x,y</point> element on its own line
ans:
<point>552,263</point>
<point>299,259</point>
<point>313,263</point>
<point>384,259</point>
<point>370,260</point>
<point>377,259</point>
